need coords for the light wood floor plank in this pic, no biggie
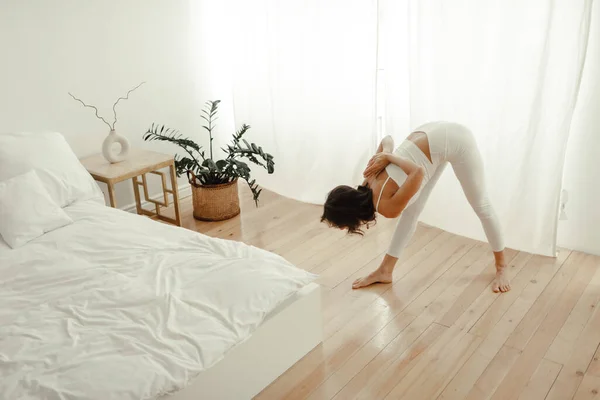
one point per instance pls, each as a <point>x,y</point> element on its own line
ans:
<point>406,289</point>
<point>580,358</point>
<point>491,354</point>
<point>475,289</point>
<point>589,388</point>
<point>340,306</point>
<point>444,291</point>
<point>299,253</point>
<point>438,331</point>
<point>337,358</point>
<point>477,309</point>
<point>340,378</point>
<point>385,381</point>
<point>542,380</point>
<point>420,304</point>
<point>458,252</point>
<point>492,376</point>
<point>332,353</point>
<point>594,367</point>
<point>544,303</point>
<point>527,268</point>
<point>423,244</point>
<point>536,348</point>
<point>429,252</point>
<point>385,358</point>
<point>436,367</point>
<point>338,312</point>
<point>269,235</point>
<point>567,339</point>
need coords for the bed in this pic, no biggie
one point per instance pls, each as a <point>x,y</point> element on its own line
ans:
<point>112,305</point>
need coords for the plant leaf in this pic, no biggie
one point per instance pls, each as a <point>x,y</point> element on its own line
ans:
<point>210,164</point>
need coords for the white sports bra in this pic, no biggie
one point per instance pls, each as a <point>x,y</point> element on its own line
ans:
<point>410,151</point>
<point>398,175</point>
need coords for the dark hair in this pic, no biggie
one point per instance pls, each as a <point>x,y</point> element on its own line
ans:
<point>349,208</point>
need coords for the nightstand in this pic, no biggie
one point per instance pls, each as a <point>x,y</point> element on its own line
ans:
<point>138,164</point>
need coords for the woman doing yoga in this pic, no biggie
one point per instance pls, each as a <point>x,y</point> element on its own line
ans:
<point>398,183</point>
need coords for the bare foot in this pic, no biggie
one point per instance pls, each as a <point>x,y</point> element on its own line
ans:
<point>500,283</point>
<point>377,276</point>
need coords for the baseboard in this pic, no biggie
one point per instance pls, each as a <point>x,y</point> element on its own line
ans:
<point>184,190</point>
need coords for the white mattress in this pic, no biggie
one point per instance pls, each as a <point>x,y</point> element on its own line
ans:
<point>116,306</point>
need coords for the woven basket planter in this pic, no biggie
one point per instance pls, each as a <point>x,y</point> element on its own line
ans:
<point>214,202</point>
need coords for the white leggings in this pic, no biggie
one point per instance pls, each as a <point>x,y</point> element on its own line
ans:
<point>461,152</point>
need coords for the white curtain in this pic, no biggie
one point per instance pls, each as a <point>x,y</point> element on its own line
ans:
<point>304,79</point>
<point>316,78</point>
<point>579,221</point>
<point>508,69</point>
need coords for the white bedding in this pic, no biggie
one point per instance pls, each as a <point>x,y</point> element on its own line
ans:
<point>116,306</point>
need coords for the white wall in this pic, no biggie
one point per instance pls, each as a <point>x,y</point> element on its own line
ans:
<point>581,229</point>
<point>98,50</point>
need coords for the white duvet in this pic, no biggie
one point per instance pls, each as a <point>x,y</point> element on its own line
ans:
<point>116,306</point>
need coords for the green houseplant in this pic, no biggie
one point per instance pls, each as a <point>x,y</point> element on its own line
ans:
<point>214,182</point>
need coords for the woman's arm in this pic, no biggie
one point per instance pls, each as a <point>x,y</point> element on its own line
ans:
<point>393,206</point>
<point>399,200</point>
<point>407,166</point>
<point>382,160</point>
<point>385,146</point>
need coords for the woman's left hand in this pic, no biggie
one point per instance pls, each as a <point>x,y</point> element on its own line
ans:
<point>377,164</point>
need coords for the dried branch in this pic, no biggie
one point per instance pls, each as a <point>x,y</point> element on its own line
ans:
<point>94,107</point>
<point>122,98</point>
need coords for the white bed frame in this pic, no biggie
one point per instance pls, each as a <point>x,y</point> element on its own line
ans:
<point>287,335</point>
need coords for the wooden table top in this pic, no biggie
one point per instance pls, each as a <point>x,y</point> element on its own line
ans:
<point>139,162</point>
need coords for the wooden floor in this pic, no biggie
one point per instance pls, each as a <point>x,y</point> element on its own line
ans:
<point>437,332</point>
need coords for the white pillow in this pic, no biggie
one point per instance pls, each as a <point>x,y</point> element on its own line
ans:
<point>27,211</point>
<point>57,166</point>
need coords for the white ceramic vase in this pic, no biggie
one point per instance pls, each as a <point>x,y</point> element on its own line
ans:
<point>108,149</point>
